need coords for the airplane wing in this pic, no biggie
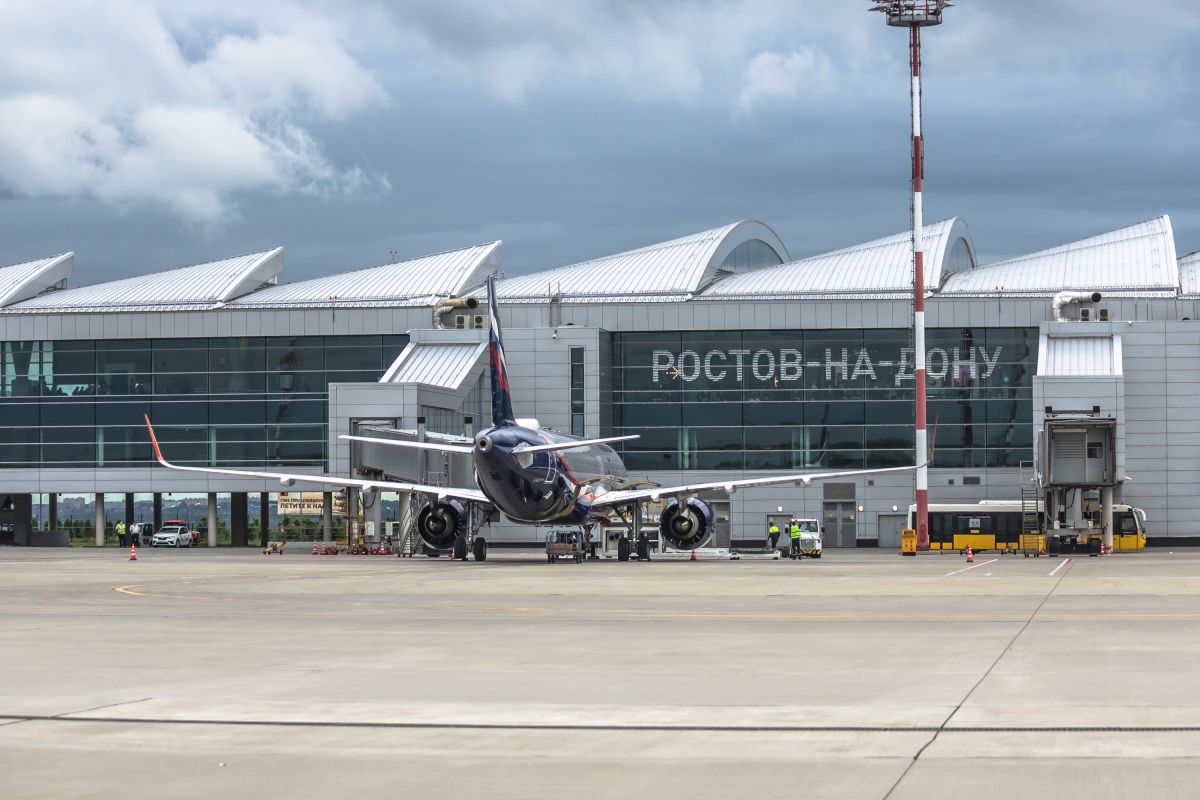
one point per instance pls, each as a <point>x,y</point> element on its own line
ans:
<point>556,446</point>
<point>287,479</point>
<point>624,496</point>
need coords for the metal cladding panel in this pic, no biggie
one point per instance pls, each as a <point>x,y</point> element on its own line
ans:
<point>667,272</point>
<point>24,281</point>
<point>1140,257</point>
<point>882,266</point>
<point>1080,356</point>
<point>415,282</point>
<point>1189,274</point>
<point>444,365</point>
<point>202,285</point>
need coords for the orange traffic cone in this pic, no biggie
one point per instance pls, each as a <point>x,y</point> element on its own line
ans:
<point>132,551</point>
<point>970,555</point>
<point>693,558</point>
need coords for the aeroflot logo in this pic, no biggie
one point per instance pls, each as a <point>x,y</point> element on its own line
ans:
<point>788,364</point>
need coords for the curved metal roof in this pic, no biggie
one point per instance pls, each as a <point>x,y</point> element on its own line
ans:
<point>882,266</point>
<point>196,287</point>
<point>668,271</point>
<point>24,281</point>
<point>1189,274</point>
<point>415,282</point>
<point>1138,258</point>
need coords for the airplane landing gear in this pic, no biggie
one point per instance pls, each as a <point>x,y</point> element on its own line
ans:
<point>623,549</point>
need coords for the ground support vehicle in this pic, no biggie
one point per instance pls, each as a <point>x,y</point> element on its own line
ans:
<point>565,544</point>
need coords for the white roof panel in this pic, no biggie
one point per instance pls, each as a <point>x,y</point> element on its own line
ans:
<point>1079,356</point>
<point>1189,274</point>
<point>199,286</point>
<point>415,282</point>
<point>24,281</point>
<point>443,365</point>
<point>882,266</point>
<point>1139,258</point>
<point>669,271</point>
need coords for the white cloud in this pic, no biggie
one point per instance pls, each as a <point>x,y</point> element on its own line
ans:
<point>144,102</point>
<point>772,76</point>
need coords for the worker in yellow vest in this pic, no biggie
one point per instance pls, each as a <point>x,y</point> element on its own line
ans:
<point>773,534</point>
<point>794,532</point>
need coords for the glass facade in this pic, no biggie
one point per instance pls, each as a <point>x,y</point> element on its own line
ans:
<point>220,401</point>
<point>751,254</point>
<point>577,391</point>
<point>822,399</point>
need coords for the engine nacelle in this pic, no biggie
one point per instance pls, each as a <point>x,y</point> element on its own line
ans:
<point>688,526</point>
<point>440,523</point>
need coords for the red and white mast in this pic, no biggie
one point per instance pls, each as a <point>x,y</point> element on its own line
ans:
<point>914,15</point>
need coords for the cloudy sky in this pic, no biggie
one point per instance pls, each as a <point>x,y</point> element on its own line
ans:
<point>147,134</point>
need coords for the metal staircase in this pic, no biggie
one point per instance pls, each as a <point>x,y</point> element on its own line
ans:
<point>1031,524</point>
<point>409,545</point>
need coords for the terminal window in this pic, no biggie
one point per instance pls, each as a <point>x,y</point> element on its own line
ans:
<point>823,399</point>
<point>216,401</point>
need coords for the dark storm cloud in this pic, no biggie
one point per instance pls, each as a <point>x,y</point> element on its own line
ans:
<point>574,129</point>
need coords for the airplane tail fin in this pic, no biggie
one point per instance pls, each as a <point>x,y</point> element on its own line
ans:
<point>502,409</point>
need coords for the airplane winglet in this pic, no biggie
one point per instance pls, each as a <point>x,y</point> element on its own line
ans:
<point>154,441</point>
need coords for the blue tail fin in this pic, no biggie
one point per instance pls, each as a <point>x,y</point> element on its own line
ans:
<point>502,410</point>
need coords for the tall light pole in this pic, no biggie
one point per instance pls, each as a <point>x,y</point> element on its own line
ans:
<point>914,15</point>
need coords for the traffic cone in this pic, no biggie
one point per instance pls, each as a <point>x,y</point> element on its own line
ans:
<point>133,551</point>
<point>693,558</point>
<point>970,555</point>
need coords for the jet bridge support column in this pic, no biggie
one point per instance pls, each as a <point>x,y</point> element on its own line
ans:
<point>212,519</point>
<point>264,518</point>
<point>326,516</point>
<point>374,513</point>
<point>99,519</point>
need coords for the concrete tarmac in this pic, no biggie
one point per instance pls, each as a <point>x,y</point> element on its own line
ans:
<point>863,675</point>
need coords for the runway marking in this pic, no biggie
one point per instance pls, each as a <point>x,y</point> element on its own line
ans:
<point>973,566</point>
<point>982,616</point>
<point>129,589</point>
<point>601,726</point>
<point>1064,563</point>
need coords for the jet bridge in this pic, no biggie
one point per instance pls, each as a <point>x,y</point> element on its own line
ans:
<point>1079,389</point>
<point>435,391</point>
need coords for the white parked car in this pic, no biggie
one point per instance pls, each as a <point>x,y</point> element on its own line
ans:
<point>172,536</point>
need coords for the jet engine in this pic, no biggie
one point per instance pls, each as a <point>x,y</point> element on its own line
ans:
<point>440,523</point>
<point>686,526</point>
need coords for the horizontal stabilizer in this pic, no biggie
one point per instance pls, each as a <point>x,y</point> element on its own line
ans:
<point>438,446</point>
<point>543,448</point>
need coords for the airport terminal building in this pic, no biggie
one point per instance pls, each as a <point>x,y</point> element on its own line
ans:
<point>727,356</point>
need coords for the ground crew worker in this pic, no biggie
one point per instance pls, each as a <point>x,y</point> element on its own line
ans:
<point>794,532</point>
<point>121,533</point>
<point>773,533</point>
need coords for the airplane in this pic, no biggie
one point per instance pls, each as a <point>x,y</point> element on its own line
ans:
<point>536,476</point>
